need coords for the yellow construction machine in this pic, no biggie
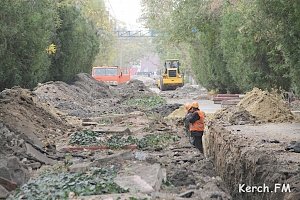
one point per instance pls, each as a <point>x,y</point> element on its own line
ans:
<point>171,77</point>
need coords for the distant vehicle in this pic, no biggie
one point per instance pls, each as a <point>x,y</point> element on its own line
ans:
<point>112,75</point>
<point>145,73</point>
<point>171,77</point>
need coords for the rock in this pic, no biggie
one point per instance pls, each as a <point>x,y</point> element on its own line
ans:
<point>37,155</point>
<point>292,196</point>
<point>13,163</point>
<point>35,165</point>
<point>140,155</point>
<point>127,155</point>
<point>114,130</point>
<point>142,176</point>
<point>7,184</point>
<point>3,193</point>
<point>80,167</point>
<point>20,176</point>
<point>294,146</point>
<point>134,184</point>
<point>4,173</point>
<point>187,194</point>
<point>17,172</point>
<point>124,196</point>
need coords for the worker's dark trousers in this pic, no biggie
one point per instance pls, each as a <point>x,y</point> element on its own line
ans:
<point>197,136</point>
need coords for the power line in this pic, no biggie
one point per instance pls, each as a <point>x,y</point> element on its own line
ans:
<point>115,16</point>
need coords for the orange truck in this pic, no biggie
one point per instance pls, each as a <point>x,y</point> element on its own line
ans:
<point>112,75</point>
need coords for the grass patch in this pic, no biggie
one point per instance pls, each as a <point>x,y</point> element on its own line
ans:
<point>146,102</point>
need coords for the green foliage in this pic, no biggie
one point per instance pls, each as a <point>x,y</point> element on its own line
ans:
<point>26,29</point>
<point>78,45</point>
<point>90,138</point>
<point>80,31</point>
<point>86,137</point>
<point>232,45</point>
<point>58,185</point>
<point>146,102</point>
<point>156,140</point>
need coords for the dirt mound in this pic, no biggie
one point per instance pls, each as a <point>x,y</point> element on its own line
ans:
<point>22,115</point>
<point>86,97</point>
<point>266,106</point>
<point>25,130</point>
<point>234,115</point>
<point>94,88</point>
<point>166,109</point>
<point>133,89</point>
<point>178,113</point>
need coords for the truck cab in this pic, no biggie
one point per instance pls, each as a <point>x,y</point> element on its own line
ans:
<point>112,75</point>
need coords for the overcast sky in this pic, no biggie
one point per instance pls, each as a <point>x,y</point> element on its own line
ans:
<point>127,11</point>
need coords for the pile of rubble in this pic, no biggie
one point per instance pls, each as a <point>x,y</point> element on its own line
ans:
<point>27,132</point>
<point>86,97</point>
<point>32,120</point>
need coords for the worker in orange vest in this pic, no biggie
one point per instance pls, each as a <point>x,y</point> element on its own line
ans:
<point>196,125</point>
<point>188,109</point>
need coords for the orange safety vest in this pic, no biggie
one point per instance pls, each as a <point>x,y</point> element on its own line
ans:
<point>199,124</point>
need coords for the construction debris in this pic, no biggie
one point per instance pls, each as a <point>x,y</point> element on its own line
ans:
<point>131,143</point>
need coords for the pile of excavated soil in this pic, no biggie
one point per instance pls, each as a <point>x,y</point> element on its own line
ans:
<point>178,113</point>
<point>166,109</point>
<point>26,129</point>
<point>266,106</point>
<point>83,98</point>
<point>256,106</point>
<point>133,89</point>
<point>86,97</point>
<point>234,115</point>
<point>22,115</point>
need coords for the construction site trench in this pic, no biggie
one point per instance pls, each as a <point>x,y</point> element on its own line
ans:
<point>88,140</point>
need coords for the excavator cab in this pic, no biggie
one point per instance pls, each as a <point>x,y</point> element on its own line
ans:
<point>170,78</point>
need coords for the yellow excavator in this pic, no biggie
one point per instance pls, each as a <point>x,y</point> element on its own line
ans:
<point>171,77</point>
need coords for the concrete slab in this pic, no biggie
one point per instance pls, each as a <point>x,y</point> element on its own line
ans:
<point>152,175</point>
<point>110,129</point>
<point>37,155</point>
<point>80,167</point>
<point>134,184</point>
<point>4,173</point>
<point>99,161</point>
<point>124,196</point>
<point>7,184</point>
<point>3,193</point>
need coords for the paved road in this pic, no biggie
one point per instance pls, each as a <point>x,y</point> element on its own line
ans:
<point>207,106</point>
